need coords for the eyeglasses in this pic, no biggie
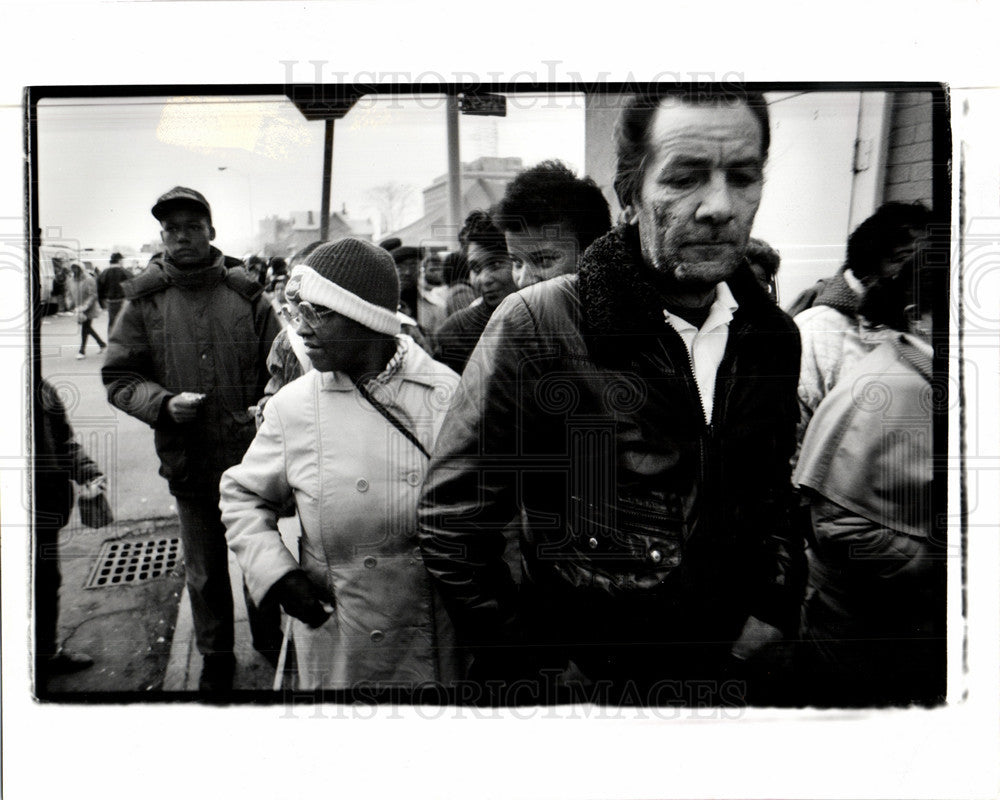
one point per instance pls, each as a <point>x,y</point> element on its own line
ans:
<point>296,312</point>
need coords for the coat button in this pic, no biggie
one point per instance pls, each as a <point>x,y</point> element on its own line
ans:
<point>592,542</point>
<point>370,561</point>
<point>655,556</point>
<point>377,636</point>
<point>362,485</point>
<point>413,478</point>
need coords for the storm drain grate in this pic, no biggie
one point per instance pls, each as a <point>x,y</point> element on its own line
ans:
<point>122,563</point>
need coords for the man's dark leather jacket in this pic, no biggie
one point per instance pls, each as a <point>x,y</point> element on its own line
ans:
<point>643,524</point>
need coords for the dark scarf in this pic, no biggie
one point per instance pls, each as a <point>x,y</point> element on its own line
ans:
<point>839,296</point>
<point>210,274</point>
<point>622,307</point>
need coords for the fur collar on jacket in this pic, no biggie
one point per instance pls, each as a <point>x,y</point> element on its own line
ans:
<point>621,305</point>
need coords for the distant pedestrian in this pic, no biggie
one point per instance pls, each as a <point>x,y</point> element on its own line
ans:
<point>59,285</point>
<point>187,357</point>
<point>408,268</point>
<point>83,290</point>
<point>277,270</point>
<point>456,275</point>
<point>109,289</point>
<point>257,267</point>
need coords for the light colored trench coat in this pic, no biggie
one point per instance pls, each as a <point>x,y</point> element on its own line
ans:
<point>355,481</point>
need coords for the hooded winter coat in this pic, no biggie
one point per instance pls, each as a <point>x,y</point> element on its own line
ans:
<point>209,331</point>
<point>83,291</point>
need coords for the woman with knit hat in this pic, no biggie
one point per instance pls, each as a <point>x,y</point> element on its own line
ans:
<point>348,442</point>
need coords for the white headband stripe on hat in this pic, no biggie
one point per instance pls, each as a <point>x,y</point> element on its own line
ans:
<point>317,289</point>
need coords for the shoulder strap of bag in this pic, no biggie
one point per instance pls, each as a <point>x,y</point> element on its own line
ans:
<point>399,426</point>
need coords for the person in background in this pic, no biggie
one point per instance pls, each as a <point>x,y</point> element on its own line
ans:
<point>873,620</point>
<point>59,461</point>
<point>487,258</point>
<point>187,357</point>
<point>59,285</point>
<point>432,270</point>
<point>836,331</point>
<point>277,269</point>
<point>348,443</point>
<point>83,291</point>
<point>407,261</point>
<point>549,217</point>
<point>459,280</point>
<point>641,414</point>
<point>765,262</point>
<point>278,288</point>
<point>256,267</point>
<point>431,295</point>
<point>109,288</point>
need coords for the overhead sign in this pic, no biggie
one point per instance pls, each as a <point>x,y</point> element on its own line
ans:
<point>483,104</point>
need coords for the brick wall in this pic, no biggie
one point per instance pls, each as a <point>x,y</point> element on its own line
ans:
<point>908,166</point>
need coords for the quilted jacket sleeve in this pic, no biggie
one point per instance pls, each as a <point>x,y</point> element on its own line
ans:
<point>128,370</point>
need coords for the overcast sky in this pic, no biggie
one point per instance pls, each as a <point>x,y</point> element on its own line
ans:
<point>103,162</point>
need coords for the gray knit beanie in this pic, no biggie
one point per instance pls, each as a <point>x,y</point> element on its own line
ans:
<point>354,278</point>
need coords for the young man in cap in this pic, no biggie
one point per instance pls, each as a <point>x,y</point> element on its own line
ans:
<point>188,357</point>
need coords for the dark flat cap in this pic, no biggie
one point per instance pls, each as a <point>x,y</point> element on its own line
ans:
<point>405,252</point>
<point>177,196</point>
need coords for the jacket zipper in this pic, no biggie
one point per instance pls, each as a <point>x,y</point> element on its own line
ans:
<point>708,429</point>
<point>718,402</point>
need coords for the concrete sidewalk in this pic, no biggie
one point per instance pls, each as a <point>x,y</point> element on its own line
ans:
<point>253,672</point>
<point>124,449</point>
<point>184,667</point>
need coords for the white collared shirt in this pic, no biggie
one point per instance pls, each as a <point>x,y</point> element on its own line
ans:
<point>706,345</point>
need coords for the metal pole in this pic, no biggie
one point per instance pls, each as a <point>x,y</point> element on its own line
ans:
<point>324,214</point>
<point>454,170</point>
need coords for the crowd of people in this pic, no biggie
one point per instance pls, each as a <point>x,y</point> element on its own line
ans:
<point>573,460</point>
